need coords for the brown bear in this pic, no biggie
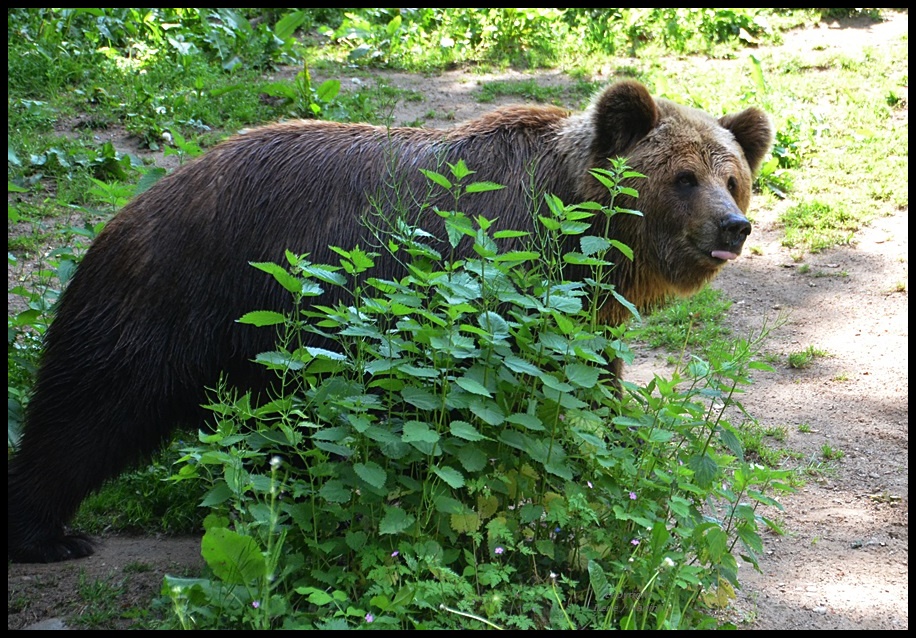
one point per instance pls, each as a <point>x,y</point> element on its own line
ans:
<point>149,319</point>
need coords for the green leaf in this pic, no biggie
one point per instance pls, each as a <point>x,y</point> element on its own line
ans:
<point>516,439</point>
<point>459,288</point>
<point>448,505</point>
<point>483,187</point>
<point>578,259</point>
<point>680,506</point>
<point>261,318</point>
<point>716,543</point>
<point>473,386</point>
<point>220,493</point>
<point>563,303</point>
<point>546,548</point>
<point>323,273</point>
<point>414,371</point>
<point>315,596</point>
<point>590,245</point>
<point>493,324</point>
<point>530,513</point>
<point>582,375</point>
<point>574,228</point>
<point>328,90</point>
<point>464,523</point>
<point>438,178</point>
<point>288,24</point>
<point>458,226</point>
<point>472,458</point>
<point>279,89</point>
<point>582,211</point>
<point>507,234</point>
<point>450,475</point>
<point>418,432</point>
<point>553,383</point>
<point>390,444</point>
<point>421,399</point>
<point>460,169</point>
<point>705,469</point>
<point>326,354</point>
<point>520,256</point>
<point>223,90</point>
<point>548,223</point>
<point>625,250</point>
<point>372,473</point>
<point>235,559</point>
<point>598,581</point>
<point>335,491</point>
<point>626,304</point>
<point>763,498</point>
<point>528,421</point>
<point>466,431</point>
<point>279,361</point>
<point>757,75</point>
<point>559,467</point>
<point>487,411</point>
<point>731,441</point>
<point>149,178</point>
<point>516,364</point>
<point>395,520</point>
<point>589,438</point>
<point>660,436</point>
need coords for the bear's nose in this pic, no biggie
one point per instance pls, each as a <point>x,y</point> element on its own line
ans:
<point>735,228</point>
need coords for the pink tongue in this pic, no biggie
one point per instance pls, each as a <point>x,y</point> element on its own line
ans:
<point>723,254</point>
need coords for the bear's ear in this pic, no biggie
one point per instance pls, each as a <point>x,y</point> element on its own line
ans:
<point>753,130</point>
<point>624,114</point>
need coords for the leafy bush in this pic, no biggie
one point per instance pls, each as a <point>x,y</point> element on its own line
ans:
<point>534,37</point>
<point>459,455</point>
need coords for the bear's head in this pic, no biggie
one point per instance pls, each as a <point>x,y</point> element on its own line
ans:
<point>699,172</point>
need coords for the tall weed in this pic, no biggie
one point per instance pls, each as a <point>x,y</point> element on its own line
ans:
<point>456,453</point>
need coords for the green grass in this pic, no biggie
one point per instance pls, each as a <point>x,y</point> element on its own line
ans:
<point>804,358</point>
<point>830,453</point>
<point>99,602</point>
<point>528,89</point>
<point>695,322</point>
<point>817,226</point>
<point>767,445</point>
<point>818,469</point>
<point>145,501</point>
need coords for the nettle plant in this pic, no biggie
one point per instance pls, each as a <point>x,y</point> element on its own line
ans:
<point>462,458</point>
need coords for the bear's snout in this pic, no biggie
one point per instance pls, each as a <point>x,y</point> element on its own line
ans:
<point>735,229</point>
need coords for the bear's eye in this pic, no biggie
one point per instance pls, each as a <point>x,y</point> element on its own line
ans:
<point>732,185</point>
<point>685,179</point>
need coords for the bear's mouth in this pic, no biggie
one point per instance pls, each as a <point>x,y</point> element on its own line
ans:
<point>723,255</point>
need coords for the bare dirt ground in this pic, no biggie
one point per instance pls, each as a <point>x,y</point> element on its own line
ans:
<point>843,562</point>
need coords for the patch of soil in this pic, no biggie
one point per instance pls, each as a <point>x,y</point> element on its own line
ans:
<point>67,595</point>
<point>843,562</point>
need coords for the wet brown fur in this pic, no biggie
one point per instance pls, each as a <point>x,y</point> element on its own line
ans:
<point>149,319</point>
